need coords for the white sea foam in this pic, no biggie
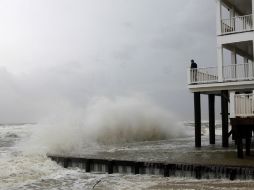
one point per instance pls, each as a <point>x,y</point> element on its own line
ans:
<point>105,121</point>
<point>21,170</point>
<point>68,130</point>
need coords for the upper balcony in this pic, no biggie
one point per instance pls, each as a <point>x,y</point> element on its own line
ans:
<point>234,16</point>
<point>237,24</point>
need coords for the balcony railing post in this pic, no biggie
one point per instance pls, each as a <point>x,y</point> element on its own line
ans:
<point>189,75</point>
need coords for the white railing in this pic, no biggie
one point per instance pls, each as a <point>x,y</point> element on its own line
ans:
<point>203,75</point>
<point>238,72</point>
<point>234,72</point>
<point>244,105</point>
<point>237,24</point>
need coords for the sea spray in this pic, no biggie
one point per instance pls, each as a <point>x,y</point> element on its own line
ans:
<point>104,121</point>
<point>131,120</point>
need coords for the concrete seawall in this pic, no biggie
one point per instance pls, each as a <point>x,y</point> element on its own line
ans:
<point>198,171</point>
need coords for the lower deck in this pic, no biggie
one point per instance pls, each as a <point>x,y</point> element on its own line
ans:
<point>179,150</point>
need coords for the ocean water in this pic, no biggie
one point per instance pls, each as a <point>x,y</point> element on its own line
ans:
<point>23,169</point>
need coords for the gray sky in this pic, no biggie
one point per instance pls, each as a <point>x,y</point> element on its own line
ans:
<point>72,50</point>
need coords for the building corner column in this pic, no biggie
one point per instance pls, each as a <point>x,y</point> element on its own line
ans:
<point>220,62</point>
<point>232,104</point>
<point>252,10</point>
<point>218,16</point>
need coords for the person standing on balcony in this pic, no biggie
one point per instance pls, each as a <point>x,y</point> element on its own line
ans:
<point>194,67</point>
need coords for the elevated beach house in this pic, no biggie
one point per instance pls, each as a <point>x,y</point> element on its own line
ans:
<point>233,77</point>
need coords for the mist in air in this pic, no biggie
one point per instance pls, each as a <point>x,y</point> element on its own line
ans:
<point>63,51</point>
<point>104,122</point>
<point>58,57</point>
<point>97,77</point>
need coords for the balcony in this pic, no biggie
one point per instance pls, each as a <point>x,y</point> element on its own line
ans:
<point>203,75</point>
<point>244,105</point>
<point>236,72</point>
<point>237,24</point>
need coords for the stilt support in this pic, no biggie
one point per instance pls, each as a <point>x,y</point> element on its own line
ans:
<point>224,115</point>
<point>247,146</point>
<point>211,100</point>
<point>248,141</point>
<point>239,146</point>
<point>88,166</point>
<point>197,112</point>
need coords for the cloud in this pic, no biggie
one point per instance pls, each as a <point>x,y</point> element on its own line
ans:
<point>74,50</point>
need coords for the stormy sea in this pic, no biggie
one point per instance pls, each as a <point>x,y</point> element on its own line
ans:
<point>24,165</point>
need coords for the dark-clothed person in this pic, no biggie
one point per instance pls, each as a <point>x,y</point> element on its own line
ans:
<point>193,64</point>
<point>194,67</point>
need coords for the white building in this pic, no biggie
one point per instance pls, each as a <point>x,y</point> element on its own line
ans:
<point>233,78</point>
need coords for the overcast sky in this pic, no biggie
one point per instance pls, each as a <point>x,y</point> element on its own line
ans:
<point>73,50</point>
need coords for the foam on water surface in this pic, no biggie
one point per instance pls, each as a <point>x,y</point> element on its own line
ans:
<point>22,169</point>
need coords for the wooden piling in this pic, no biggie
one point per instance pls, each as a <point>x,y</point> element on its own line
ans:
<point>136,168</point>
<point>88,165</point>
<point>166,170</point>
<point>110,167</point>
<point>211,106</point>
<point>248,145</point>
<point>239,146</point>
<point>198,172</point>
<point>66,162</point>
<point>224,115</point>
<point>197,115</point>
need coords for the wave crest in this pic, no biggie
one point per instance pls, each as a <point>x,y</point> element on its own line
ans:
<point>106,121</point>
